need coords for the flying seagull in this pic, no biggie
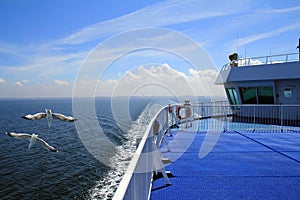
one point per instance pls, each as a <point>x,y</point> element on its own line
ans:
<point>49,115</point>
<point>32,139</point>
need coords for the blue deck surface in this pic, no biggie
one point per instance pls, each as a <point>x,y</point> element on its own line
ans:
<point>240,166</point>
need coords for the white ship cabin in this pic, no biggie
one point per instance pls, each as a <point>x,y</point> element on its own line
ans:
<point>269,85</point>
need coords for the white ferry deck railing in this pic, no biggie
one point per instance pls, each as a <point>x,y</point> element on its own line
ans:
<point>264,60</point>
<point>246,117</point>
<point>136,182</point>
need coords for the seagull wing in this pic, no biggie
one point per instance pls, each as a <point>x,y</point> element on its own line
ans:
<point>63,117</point>
<point>35,116</point>
<point>46,145</point>
<point>25,136</point>
<point>20,136</point>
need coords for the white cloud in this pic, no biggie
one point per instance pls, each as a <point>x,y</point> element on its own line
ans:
<point>55,64</point>
<point>250,61</point>
<point>282,10</point>
<point>162,81</point>
<point>59,59</point>
<point>44,89</point>
<point>159,80</point>
<point>61,83</point>
<point>63,59</point>
<point>256,37</point>
<point>208,75</point>
<point>19,84</point>
<point>161,14</point>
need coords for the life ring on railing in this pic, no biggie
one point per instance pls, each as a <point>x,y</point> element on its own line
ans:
<point>170,108</point>
<point>187,112</point>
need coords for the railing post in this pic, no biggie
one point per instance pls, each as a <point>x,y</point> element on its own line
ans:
<point>254,115</point>
<point>281,116</point>
<point>226,118</point>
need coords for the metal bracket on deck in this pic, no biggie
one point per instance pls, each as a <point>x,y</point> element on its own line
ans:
<point>158,165</point>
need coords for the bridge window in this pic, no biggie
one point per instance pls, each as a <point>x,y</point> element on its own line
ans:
<point>233,98</point>
<point>265,95</point>
<point>248,95</point>
<point>257,95</point>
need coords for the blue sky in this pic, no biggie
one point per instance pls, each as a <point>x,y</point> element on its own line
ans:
<point>44,44</point>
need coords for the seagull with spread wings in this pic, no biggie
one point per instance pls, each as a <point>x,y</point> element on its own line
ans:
<point>32,140</point>
<point>49,115</point>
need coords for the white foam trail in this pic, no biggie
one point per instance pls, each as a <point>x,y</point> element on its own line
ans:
<point>106,187</point>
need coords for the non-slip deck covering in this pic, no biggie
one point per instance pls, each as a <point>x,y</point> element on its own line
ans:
<point>241,165</point>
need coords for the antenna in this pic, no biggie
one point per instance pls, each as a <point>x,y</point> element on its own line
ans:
<point>299,48</point>
<point>237,42</point>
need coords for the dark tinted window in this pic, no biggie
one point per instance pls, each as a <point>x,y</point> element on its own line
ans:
<point>248,95</point>
<point>265,95</point>
<point>233,99</point>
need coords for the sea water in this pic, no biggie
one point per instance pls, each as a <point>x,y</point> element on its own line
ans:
<point>73,172</point>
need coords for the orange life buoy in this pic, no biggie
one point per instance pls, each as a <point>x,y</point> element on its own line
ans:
<point>187,112</point>
<point>170,108</point>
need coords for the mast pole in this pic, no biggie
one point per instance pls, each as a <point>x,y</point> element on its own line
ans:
<point>299,49</point>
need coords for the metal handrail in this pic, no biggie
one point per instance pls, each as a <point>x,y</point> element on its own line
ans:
<point>246,117</point>
<point>136,182</point>
<point>263,60</point>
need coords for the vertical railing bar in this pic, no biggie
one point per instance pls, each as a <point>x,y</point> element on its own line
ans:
<point>251,117</point>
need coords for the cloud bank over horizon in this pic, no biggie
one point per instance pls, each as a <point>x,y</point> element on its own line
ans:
<point>161,80</point>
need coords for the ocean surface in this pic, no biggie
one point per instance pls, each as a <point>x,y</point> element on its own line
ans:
<point>74,172</point>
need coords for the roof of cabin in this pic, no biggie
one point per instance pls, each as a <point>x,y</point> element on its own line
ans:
<point>279,71</point>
